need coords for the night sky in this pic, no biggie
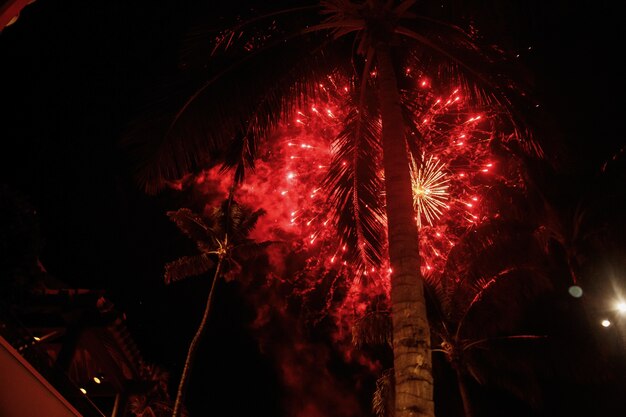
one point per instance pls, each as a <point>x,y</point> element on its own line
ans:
<point>77,73</point>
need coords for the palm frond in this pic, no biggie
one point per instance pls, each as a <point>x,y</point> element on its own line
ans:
<point>229,216</point>
<point>450,54</point>
<point>384,398</point>
<point>486,340</point>
<point>255,27</point>
<point>493,295</point>
<point>247,223</point>
<point>438,300</point>
<point>249,249</point>
<point>372,329</point>
<point>401,9</point>
<point>354,183</point>
<point>515,367</point>
<point>187,266</point>
<point>194,227</point>
<point>209,231</point>
<point>512,202</point>
<point>497,252</point>
<point>197,126</point>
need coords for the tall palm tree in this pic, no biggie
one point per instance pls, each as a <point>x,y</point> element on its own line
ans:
<point>370,44</point>
<point>221,233</point>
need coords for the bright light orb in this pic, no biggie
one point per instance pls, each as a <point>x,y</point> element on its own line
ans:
<point>621,307</point>
<point>605,323</point>
<point>430,189</point>
<point>575,291</point>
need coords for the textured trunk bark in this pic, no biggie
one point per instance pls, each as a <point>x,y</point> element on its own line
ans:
<point>411,333</point>
<point>193,347</point>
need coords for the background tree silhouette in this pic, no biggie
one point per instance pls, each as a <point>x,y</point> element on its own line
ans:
<point>491,278</point>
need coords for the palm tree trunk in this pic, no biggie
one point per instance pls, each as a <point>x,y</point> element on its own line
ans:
<point>411,333</point>
<point>467,405</point>
<point>193,347</point>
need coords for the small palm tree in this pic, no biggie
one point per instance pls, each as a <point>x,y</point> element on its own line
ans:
<point>490,277</point>
<point>220,234</point>
<point>471,307</point>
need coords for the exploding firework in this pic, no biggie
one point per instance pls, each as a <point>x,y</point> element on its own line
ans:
<point>454,170</point>
<point>430,189</point>
<point>454,173</point>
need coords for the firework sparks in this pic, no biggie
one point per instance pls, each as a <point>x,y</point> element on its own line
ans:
<point>430,189</point>
<point>452,182</point>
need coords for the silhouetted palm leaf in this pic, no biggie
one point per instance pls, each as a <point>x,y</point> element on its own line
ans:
<point>355,185</point>
<point>484,291</point>
<point>187,266</point>
<point>383,399</point>
<point>373,328</point>
<point>195,227</point>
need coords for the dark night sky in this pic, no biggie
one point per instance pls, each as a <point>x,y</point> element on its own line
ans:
<point>75,74</point>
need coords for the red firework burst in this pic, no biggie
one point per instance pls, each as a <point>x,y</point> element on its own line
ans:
<point>450,184</point>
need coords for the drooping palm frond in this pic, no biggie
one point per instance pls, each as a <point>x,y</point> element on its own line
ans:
<point>222,231</point>
<point>354,183</point>
<point>383,399</point>
<point>492,252</point>
<point>187,266</point>
<point>491,276</point>
<point>236,220</point>
<point>194,227</point>
<point>484,269</point>
<point>511,202</point>
<point>566,227</point>
<point>372,329</point>
<point>500,301</point>
<point>470,316</point>
<point>449,55</point>
<point>191,127</point>
<point>256,27</point>
<point>250,249</point>
<point>510,363</point>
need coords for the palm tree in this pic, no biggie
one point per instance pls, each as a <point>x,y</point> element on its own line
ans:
<point>370,44</point>
<point>472,304</point>
<point>220,233</point>
<point>471,310</point>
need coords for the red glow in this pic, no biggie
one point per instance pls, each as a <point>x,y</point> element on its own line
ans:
<point>287,177</point>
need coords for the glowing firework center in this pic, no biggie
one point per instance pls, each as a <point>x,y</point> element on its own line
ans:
<point>430,189</point>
